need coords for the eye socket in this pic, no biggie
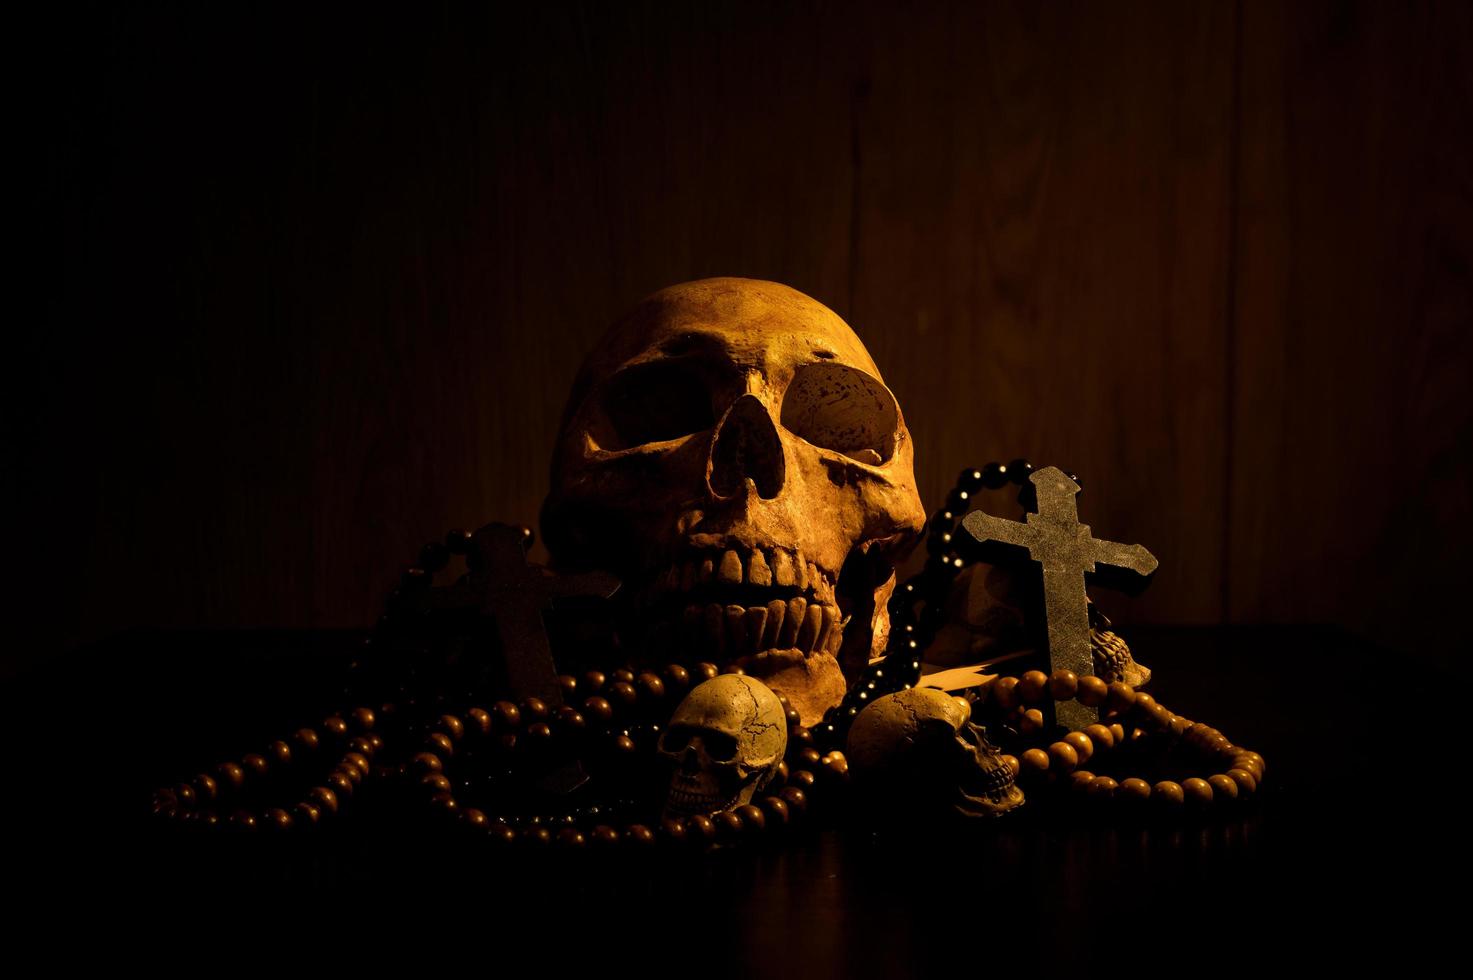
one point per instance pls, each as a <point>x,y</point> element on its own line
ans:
<point>843,409</point>
<point>675,739</point>
<point>719,746</point>
<point>657,402</point>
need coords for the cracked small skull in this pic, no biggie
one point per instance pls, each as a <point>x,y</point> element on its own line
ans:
<point>730,451</point>
<point>725,740</point>
<point>917,754</point>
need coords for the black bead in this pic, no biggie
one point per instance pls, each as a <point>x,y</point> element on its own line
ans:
<point>970,480</point>
<point>1076,480</point>
<point>1018,471</point>
<point>994,475</point>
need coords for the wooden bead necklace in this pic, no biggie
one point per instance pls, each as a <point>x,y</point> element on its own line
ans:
<point>617,720</point>
<point>1128,718</point>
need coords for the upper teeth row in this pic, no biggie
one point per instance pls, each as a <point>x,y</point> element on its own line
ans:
<point>732,567</point>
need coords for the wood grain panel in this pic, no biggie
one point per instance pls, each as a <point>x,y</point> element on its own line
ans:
<point>1353,437</point>
<point>310,289</point>
<point>1042,261</point>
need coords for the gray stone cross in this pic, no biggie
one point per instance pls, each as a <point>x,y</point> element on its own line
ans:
<point>1066,552</point>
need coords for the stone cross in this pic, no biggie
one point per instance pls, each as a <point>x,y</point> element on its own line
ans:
<point>1066,552</point>
<point>514,593</point>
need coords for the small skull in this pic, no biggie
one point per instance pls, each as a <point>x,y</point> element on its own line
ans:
<point>726,740</point>
<point>918,755</point>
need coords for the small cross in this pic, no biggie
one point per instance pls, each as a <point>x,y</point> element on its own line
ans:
<point>1063,547</point>
<point>515,593</point>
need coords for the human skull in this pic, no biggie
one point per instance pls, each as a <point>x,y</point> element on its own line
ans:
<point>917,754</point>
<point>731,453</point>
<point>726,740</point>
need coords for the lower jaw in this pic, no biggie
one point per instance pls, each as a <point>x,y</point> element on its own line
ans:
<point>812,682</point>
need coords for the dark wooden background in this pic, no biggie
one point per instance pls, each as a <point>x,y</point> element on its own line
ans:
<point>309,286</point>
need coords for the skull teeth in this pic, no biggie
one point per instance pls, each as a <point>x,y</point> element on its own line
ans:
<point>731,630</point>
<point>759,567</point>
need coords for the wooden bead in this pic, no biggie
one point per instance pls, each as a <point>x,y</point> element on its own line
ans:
<point>624,675</point>
<point>808,757</point>
<point>436,782</point>
<point>796,799</point>
<point>307,814</point>
<point>836,766</point>
<point>1198,793</point>
<point>699,829</point>
<point>306,739</point>
<point>1247,785</point>
<point>452,726</point>
<point>1119,696</point>
<point>1062,756</point>
<point>506,716</point>
<point>1082,745</point>
<point>800,737</point>
<point>599,710</point>
<point>777,810</point>
<point>639,835</point>
<point>1101,737</point>
<point>206,789</point>
<point>605,836</point>
<point>361,745</point>
<point>1031,687</point>
<point>1133,790</point>
<point>255,765</point>
<point>1143,701</point>
<point>445,804</point>
<point>1117,731</point>
<point>1168,794</point>
<point>185,795</point>
<point>230,776</point>
<point>244,820</point>
<point>623,745</point>
<point>427,762</point>
<point>363,719</point>
<point>1079,781</point>
<point>704,672</point>
<point>1063,685</point>
<point>1032,722</point>
<point>729,825</point>
<point>594,680</point>
<point>501,834</point>
<point>474,818</point>
<point>1224,787</point>
<point>539,733</point>
<point>323,798</point>
<point>568,685</point>
<point>480,721</point>
<point>650,686</point>
<point>1092,692</point>
<point>534,709</point>
<point>277,819</point>
<point>340,784</point>
<point>359,761</point>
<point>752,818</point>
<point>440,743</point>
<point>1004,693</point>
<point>1035,760</point>
<point>623,692</point>
<point>802,778</point>
<point>672,829</point>
<point>570,721</point>
<point>1013,763</point>
<point>280,753</point>
<point>1102,789</point>
<point>334,727</point>
<point>351,771</point>
<point>677,676</point>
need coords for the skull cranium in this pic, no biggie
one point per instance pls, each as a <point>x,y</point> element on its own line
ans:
<point>730,451</point>
<point>917,753</point>
<point>726,740</point>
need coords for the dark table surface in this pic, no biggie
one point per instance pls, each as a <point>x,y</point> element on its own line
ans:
<point>1346,856</point>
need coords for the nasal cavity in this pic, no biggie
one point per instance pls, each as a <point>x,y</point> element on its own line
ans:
<point>746,447</point>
